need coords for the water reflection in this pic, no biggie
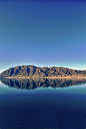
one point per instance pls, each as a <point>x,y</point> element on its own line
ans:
<point>50,110</point>
<point>41,82</point>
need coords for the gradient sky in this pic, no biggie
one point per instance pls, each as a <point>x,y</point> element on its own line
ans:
<point>43,33</point>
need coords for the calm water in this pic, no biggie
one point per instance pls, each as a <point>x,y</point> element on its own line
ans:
<point>42,103</point>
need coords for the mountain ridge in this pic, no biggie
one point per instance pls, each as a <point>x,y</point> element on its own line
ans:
<point>42,72</point>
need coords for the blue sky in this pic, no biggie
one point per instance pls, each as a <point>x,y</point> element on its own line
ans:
<point>43,33</point>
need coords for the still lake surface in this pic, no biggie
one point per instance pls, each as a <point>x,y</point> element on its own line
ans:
<point>42,103</point>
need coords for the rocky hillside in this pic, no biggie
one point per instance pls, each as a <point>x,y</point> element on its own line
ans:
<point>33,71</point>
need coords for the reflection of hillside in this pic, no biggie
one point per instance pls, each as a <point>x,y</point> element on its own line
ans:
<point>40,82</point>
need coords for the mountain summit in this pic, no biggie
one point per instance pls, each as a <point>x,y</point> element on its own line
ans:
<point>40,72</point>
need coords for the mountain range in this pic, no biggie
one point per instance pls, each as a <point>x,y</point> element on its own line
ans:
<point>31,71</point>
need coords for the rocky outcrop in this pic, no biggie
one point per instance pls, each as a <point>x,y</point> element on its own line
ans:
<point>40,72</point>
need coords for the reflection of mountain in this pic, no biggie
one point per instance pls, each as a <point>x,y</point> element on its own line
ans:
<point>31,84</point>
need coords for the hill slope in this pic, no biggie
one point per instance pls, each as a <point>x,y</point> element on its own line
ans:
<point>33,71</point>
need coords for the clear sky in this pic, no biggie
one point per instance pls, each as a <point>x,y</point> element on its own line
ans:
<point>43,33</point>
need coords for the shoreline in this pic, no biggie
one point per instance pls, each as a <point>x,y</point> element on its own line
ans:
<point>67,77</point>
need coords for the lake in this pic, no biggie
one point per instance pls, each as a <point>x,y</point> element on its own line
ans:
<point>42,104</point>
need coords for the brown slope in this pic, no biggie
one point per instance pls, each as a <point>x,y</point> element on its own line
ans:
<point>33,71</point>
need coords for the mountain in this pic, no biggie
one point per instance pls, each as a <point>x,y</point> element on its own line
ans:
<point>40,72</point>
